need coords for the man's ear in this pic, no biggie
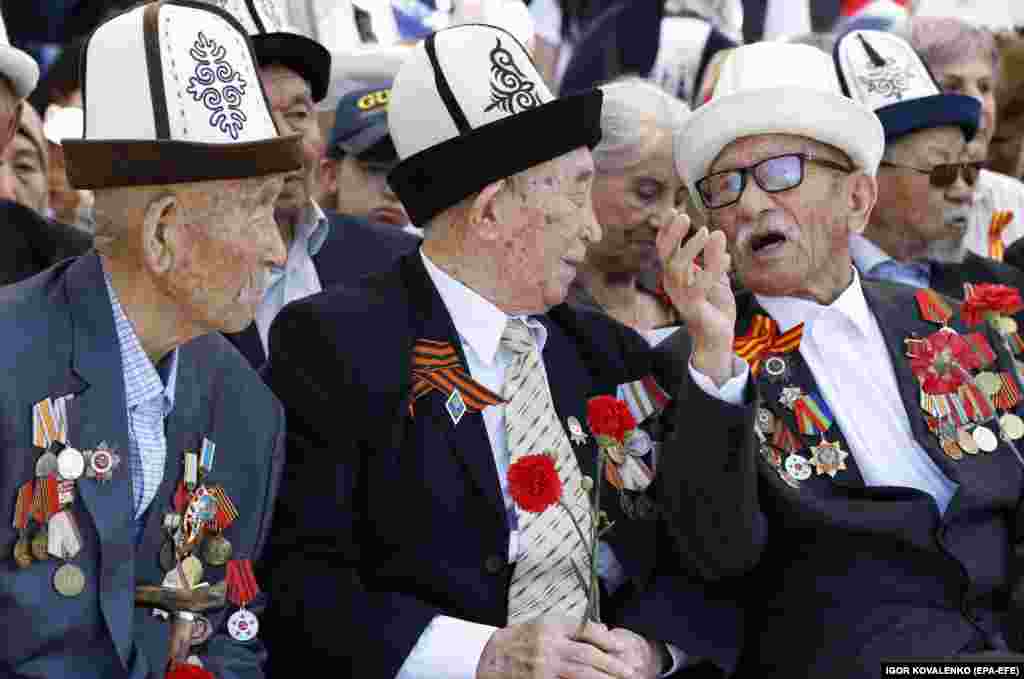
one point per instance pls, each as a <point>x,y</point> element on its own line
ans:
<point>329,168</point>
<point>861,200</point>
<point>483,213</point>
<point>161,232</point>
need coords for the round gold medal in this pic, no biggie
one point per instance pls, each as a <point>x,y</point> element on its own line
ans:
<point>41,546</point>
<point>69,580</point>
<point>22,553</point>
<point>217,550</point>
<point>1012,426</point>
<point>1006,325</point>
<point>193,570</point>
<point>952,449</point>
<point>989,383</point>
<point>985,439</point>
<point>966,441</point>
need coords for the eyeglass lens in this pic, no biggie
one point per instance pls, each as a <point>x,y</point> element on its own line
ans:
<point>771,174</point>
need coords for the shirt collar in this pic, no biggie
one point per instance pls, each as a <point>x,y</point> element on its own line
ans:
<point>866,255</point>
<point>790,311</point>
<point>311,232</point>
<point>145,381</point>
<point>479,323</point>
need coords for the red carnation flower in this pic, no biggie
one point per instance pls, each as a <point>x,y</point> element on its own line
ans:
<point>986,298</point>
<point>609,417</point>
<point>187,671</point>
<point>533,483</point>
<point>941,361</point>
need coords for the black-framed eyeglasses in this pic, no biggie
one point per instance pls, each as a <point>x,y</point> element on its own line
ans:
<point>944,175</point>
<point>773,175</point>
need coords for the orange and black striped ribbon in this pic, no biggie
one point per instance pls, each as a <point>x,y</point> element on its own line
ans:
<point>23,506</point>
<point>436,367</point>
<point>763,339</point>
<point>226,512</point>
<point>1000,220</point>
<point>1008,395</point>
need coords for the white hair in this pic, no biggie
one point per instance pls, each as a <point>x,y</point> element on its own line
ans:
<point>632,108</point>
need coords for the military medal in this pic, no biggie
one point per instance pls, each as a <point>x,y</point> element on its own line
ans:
<point>46,465</point>
<point>101,463</point>
<point>63,538</point>
<point>1012,426</point>
<point>966,441</point>
<point>639,443</point>
<point>951,448</point>
<point>790,395</point>
<point>217,550</point>
<point>828,458</point>
<point>456,407</point>
<point>765,421</point>
<point>70,464</point>
<point>576,433</point>
<point>191,470</point>
<point>242,589</point>
<point>985,439</point>
<point>202,630</point>
<point>788,478</point>
<point>69,580</point>
<point>40,546</point>
<point>798,467</point>
<point>22,552</point>
<point>775,369</point>
<point>1005,325</point>
<point>206,455</point>
<point>989,383</point>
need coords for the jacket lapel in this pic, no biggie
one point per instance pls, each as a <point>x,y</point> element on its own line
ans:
<point>99,414</point>
<point>248,343</point>
<point>948,279</point>
<point>898,322</point>
<point>430,319</point>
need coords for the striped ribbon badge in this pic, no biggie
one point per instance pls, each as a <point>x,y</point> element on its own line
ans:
<point>1000,220</point>
<point>436,367</point>
<point>763,339</point>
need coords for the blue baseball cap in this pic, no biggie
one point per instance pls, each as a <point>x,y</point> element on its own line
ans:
<point>361,125</point>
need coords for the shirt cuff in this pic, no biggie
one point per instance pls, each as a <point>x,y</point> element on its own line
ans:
<point>732,391</point>
<point>448,648</point>
<point>678,660</point>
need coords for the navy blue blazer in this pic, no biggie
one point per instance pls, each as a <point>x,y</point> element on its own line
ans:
<point>354,248</point>
<point>851,573</point>
<point>60,339</point>
<point>32,243</point>
<point>386,520</point>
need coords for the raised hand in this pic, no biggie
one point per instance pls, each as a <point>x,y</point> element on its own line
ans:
<point>702,296</point>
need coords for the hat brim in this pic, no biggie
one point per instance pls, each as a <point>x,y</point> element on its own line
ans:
<point>106,163</point>
<point>303,55</point>
<point>831,119</point>
<point>21,69</point>
<point>435,179</point>
<point>364,139</point>
<point>938,110</point>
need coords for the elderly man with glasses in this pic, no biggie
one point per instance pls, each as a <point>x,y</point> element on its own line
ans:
<point>890,530</point>
<point>924,188</point>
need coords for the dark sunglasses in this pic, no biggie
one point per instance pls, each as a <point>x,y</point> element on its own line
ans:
<point>773,175</point>
<point>944,175</point>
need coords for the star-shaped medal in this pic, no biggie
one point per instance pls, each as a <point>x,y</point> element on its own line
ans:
<point>828,458</point>
<point>790,395</point>
<point>576,433</point>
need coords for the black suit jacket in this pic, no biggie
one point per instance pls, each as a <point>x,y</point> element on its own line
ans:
<point>354,248</point>
<point>949,279</point>
<point>387,520</point>
<point>32,243</point>
<point>851,573</point>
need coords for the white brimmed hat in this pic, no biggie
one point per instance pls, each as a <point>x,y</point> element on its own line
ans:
<point>882,71</point>
<point>275,41</point>
<point>468,108</point>
<point>171,95</point>
<point>18,67</point>
<point>777,88</point>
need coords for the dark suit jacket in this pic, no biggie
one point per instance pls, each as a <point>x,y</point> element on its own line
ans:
<point>949,279</point>
<point>354,248</point>
<point>32,243</point>
<point>1014,255</point>
<point>853,573</point>
<point>386,520</point>
<point>60,339</point>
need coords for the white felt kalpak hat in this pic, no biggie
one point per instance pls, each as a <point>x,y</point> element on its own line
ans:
<point>171,95</point>
<point>777,88</point>
<point>275,41</point>
<point>468,108</point>
<point>882,71</point>
<point>21,69</point>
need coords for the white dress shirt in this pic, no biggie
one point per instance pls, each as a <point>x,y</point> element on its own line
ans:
<point>450,648</point>
<point>298,278</point>
<point>839,341</point>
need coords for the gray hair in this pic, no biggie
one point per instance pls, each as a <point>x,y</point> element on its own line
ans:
<point>943,41</point>
<point>628,103</point>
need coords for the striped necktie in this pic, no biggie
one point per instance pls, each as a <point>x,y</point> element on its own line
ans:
<point>543,579</point>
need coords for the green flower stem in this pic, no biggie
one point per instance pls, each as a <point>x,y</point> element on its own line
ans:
<point>575,524</point>
<point>595,592</point>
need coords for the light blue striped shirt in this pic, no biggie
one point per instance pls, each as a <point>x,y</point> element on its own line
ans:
<point>149,395</point>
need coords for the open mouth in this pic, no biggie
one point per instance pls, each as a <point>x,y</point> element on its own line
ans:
<point>766,243</point>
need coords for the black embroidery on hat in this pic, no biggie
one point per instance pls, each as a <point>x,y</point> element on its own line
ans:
<point>218,85</point>
<point>884,77</point>
<point>510,88</point>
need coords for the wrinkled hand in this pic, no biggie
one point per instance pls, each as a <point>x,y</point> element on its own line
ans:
<point>702,296</point>
<point>549,648</point>
<point>645,657</point>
